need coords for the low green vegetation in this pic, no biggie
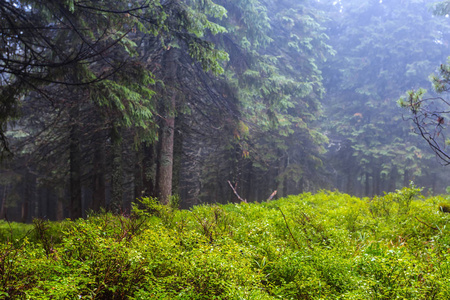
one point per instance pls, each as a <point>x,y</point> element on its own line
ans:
<point>323,246</point>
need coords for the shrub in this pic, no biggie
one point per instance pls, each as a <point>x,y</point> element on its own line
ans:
<point>323,246</point>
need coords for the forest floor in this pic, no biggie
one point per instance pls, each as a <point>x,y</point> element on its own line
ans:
<point>327,245</point>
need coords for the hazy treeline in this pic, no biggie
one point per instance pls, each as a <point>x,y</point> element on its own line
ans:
<point>105,103</point>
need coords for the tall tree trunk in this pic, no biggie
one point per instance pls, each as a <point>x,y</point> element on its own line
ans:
<point>59,208</point>
<point>350,182</point>
<point>75,166</point>
<point>433,184</point>
<point>376,182</point>
<point>249,193</point>
<point>165,157</point>
<point>128,174</point>
<point>281,185</point>
<point>351,174</point>
<point>42,208</point>
<point>116,174</point>
<point>406,178</point>
<point>301,185</point>
<point>165,161</point>
<point>3,205</point>
<point>148,171</point>
<point>99,188</point>
<point>177,156</point>
<point>29,195</point>
<point>138,175</point>
<point>24,211</point>
<point>367,184</point>
<point>392,179</point>
<point>285,185</point>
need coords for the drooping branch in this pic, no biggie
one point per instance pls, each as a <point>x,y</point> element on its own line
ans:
<point>430,117</point>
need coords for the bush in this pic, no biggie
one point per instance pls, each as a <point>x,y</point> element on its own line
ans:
<point>323,246</point>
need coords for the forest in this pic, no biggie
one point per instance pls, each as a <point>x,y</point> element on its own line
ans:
<point>216,101</point>
<point>224,149</point>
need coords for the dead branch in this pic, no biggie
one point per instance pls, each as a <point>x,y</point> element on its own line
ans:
<point>272,195</point>
<point>234,191</point>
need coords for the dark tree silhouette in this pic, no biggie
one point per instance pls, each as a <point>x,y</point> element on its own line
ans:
<point>41,41</point>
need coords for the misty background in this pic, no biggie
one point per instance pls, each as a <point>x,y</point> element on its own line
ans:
<point>256,96</point>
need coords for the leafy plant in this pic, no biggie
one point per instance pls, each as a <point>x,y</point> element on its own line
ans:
<point>327,245</point>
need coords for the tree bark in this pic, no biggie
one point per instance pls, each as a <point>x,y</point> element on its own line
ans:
<point>392,179</point>
<point>128,174</point>
<point>75,166</point>
<point>138,175</point>
<point>59,208</point>
<point>165,157</point>
<point>376,182</point>
<point>29,196</point>
<point>406,178</point>
<point>99,189</point>
<point>116,175</point>
<point>3,206</point>
<point>367,184</point>
<point>165,161</point>
<point>148,171</point>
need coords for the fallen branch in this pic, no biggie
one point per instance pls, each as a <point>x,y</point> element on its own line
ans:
<point>272,195</point>
<point>237,195</point>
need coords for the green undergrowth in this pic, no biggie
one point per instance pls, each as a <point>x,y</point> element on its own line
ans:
<point>323,246</point>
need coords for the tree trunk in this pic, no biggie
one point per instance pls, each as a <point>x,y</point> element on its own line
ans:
<point>367,185</point>
<point>148,171</point>
<point>392,179</point>
<point>116,175</point>
<point>177,156</point>
<point>3,205</point>
<point>24,211</point>
<point>351,174</point>
<point>59,209</point>
<point>301,185</point>
<point>165,161</point>
<point>29,196</point>
<point>248,194</point>
<point>350,182</point>
<point>165,157</point>
<point>376,182</point>
<point>128,174</point>
<point>75,166</point>
<point>433,184</point>
<point>99,188</point>
<point>281,184</point>
<point>42,208</point>
<point>138,175</point>
<point>406,178</point>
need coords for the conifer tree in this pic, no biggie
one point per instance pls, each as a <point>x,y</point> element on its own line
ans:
<point>370,144</point>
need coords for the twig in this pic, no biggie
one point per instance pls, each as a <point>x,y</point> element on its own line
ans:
<point>290,232</point>
<point>237,195</point>
<point>432,227</point>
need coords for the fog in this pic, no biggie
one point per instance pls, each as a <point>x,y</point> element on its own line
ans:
<point>222,102</point>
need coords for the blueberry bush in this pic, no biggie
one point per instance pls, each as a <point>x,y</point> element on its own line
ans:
<point>327,245</point>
